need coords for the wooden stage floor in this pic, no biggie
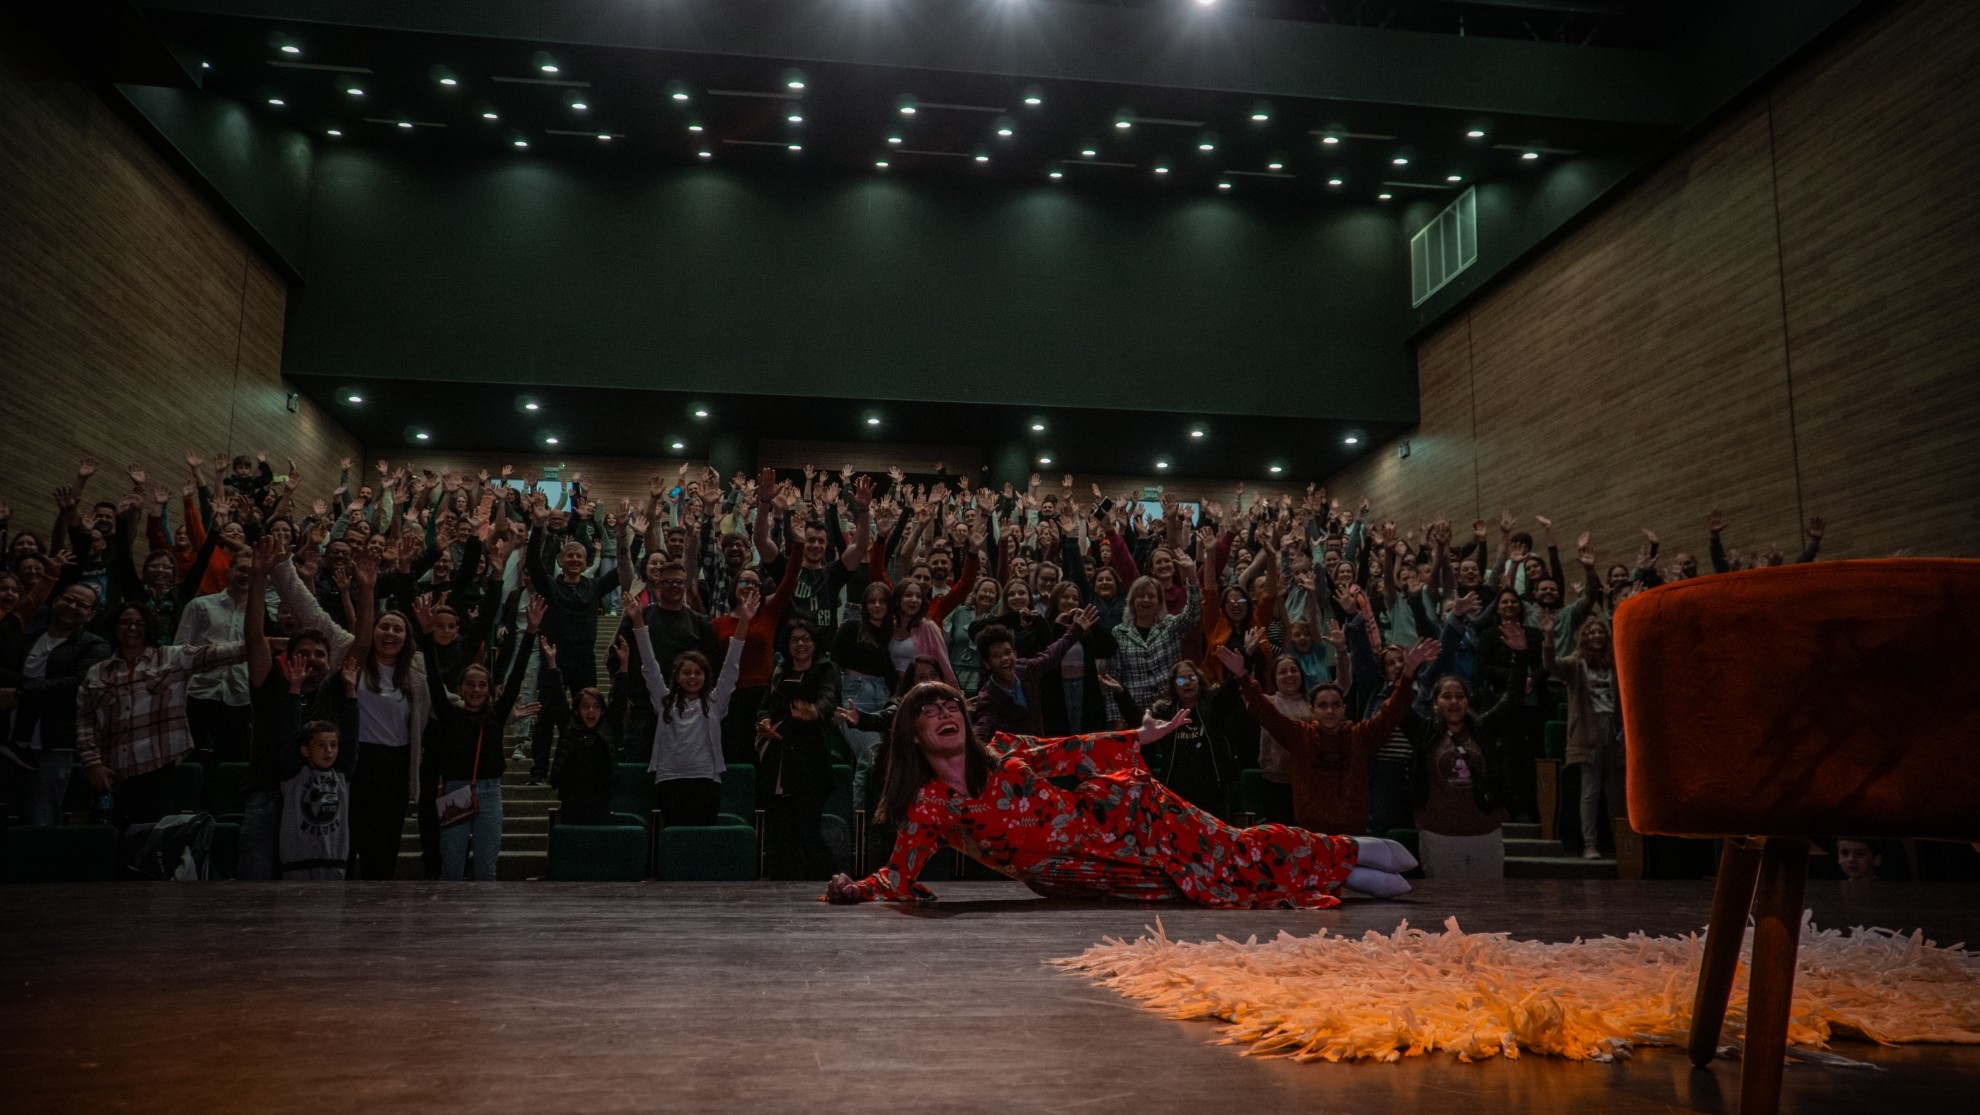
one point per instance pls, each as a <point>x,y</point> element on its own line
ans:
<point>543,998</point>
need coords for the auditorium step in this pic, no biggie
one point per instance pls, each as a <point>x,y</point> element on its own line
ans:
<point>525,829</point>
<point>1528,856</point>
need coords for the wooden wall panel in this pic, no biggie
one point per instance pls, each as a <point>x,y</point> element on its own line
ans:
<point>1634,377</point>
<point>134,322</point>
<point>1645,370</point>
<point>1878,148</point>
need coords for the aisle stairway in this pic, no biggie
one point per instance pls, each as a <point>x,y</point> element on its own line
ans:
<point>1530,857</point>
<point>525,808</point>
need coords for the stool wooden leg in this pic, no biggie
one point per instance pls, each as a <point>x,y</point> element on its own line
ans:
<point>1770,985</point>
<point>1738,867</point>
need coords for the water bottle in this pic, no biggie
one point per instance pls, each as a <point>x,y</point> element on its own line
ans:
<point>106,805</point>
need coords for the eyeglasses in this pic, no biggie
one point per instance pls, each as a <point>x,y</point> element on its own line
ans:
<point>800,637</point>
<point>941,706</point>
<point>673,582</point>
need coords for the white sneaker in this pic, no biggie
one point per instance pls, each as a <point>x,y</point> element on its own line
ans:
<point>1591,853</point>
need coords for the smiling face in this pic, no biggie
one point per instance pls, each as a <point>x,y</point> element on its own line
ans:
<point>1510,610</point>
<point>446,627</point>
<point>690,678</point>
<point>10,592</point>
<point>1145,601</point>
<point>1048,578</point>
<point>1001,659</point>
<point>1300,635</point>
<point>1163,565</point>
<point>939,728</point>
<point>1237,606</point>
<point>314,658</point>
<point>320,750</point>
<point>1594,637</point>
<point>590,709</point>
<point>388,638</point>
<point>1018,597</point>
<point>1187,682</point>
<point>941,565</point>
<point>160,570</point>
<point>873,605</point>
<point>1453,703</point>
<point>474,689</point>
<point>1106,584</point>
<point>1286,678</point>
<point>1547,593</point>
<point>572,560</point>
<point>131,628</point>
<point>1467,573</point>
<point>735,549</point>
<point>985,597</point>
<point>912,601</point>
<point>814,546</point>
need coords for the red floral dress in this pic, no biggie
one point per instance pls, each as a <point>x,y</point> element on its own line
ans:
<point>1118,834</point>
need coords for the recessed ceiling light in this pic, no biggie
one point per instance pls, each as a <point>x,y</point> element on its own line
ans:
<point>422,435</point>
<point>548,68</point>
<point>606,136</point>
<point>1044,460</point>
<point>1276,469</point>
<point>206,65</point>
<point>700,412</point>
<point>1383,197</point>
<point>1005,132</point>
<point>694,127</point>
<point>894,139</point>
<point>1333,181</point>
<point>1161,464</point>
<point>1038,427</point>
<point>1260,117</point>
<point>1531,155</point>
<point>448,81</point>
<point>795,147</point>
<point>873,421</point>
<point>1223,185</point>
<point>522,143</point>
<point>1161,170</point>
<point>291,50</point>
<point>1196,433</point>
<point>1034,100</point>
<point>332,132</point>
<point>680,445</point>
<point>907,110</point>
<point>1352,440</point>
<point>532,406</point>
<point>1454,178</point>
<point>405,123</point>
<point>680,94</point>
<point>550,441</point>
<point>276,101</point>
<point>1275,166</point>
<point>579,106</point>
<point>1330,140</point>
<point>489,116</point>
<point>983,158</point>
<point>1476,133</point>
<point>354,398</point>
<point>880,164</point>
<point>1206,145</point>
<point>1124,124</point>
<point>354,90</point>
<point>706,154</point>
<point>795,118</point>
<point>1400,161</point>
<point>1056,174</point>
<point>794,85</point>
<point>1088,152</point>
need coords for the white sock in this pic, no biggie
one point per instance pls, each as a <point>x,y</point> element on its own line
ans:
<point>1383,855</point>
<point>1376,884</point>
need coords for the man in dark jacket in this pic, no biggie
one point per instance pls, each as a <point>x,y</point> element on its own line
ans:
<point>39,753</point>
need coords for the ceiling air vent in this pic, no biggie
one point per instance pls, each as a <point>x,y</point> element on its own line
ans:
<point>1443,248</point>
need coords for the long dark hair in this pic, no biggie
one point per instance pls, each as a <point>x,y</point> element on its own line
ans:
<point>908,770</point>
<point>869,633</point>
<point>676,700</point>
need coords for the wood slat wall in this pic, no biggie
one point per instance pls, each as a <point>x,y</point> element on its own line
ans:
<point>134,322</point>
<point>1701,345</point>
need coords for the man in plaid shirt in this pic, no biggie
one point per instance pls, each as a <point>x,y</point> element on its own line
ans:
<point>131,714</point>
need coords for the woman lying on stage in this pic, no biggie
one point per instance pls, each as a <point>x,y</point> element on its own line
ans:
<point>1118,833</point>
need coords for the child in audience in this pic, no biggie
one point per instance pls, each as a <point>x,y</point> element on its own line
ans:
<point>315,841</point>
<point>581,769</point>
<point>1858,860</point>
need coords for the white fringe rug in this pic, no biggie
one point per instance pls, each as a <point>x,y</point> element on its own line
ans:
<point>1481,995</point>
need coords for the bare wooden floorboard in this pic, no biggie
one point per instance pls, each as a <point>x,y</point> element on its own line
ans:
<point>548,997</point>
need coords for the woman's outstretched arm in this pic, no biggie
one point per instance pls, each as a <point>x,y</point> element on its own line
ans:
<point>915,844</point>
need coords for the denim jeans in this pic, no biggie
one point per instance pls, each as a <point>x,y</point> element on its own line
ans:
<point>1602,782</point>
<point>867,694</point>
<point>261,823</point>
<point>50,787</point>
<point>484,831</point>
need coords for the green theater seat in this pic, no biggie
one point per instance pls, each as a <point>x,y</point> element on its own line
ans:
<point>1251,792</point>
<point>613,853</point>
<point>58,853</point>
<point>228,793</point>
<point>707,853</point>
<point>188,792</point>
<point>739,790</point>
<point>632,790</point>
<point>225,854</point>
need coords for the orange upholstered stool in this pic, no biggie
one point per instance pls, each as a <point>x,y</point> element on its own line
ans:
<point>1775,705</point>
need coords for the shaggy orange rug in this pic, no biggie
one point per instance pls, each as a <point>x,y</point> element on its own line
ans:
<point>1481,995</point>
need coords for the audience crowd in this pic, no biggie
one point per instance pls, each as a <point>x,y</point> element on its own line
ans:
<point>367,655</point>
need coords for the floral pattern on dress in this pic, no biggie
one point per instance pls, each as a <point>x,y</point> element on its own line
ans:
<point>1118,833</point>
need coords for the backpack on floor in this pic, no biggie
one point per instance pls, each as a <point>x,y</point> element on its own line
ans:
<point>178,848</point>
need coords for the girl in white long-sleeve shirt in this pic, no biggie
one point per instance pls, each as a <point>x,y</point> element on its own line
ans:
<point>687,761</point>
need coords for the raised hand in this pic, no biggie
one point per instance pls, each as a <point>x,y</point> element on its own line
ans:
<point>1514,635</point>
<point>1086,617</point>
<point>66,499</point>
<point>525,710</point>
<point>1715,521</point>
<point>539,606</point>
<point>1253,638</point>
<point>194,460</point>
<point>749,600</point>
<point>422,610</point>
<point>1815,528</point>
<point>1425,650</point>
<point>1505,522</point>
<point>1153,729</point>
<point>85,469</point>
<point>1232,660</point>
<point>1585,548</point>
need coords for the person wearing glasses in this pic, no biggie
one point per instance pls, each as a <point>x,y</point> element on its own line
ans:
<point>793,757</point>
<point>1118,833</point>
